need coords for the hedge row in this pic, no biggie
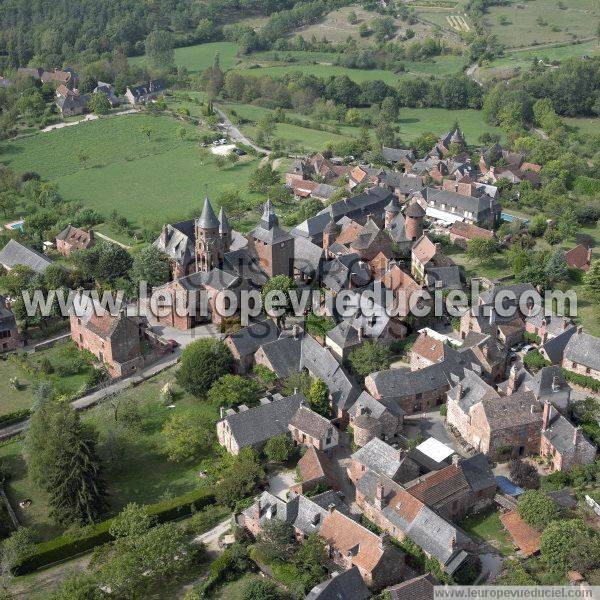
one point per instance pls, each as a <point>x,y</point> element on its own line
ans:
<point>65,546</point>
<point>582,380</point>
<point>14,417</point>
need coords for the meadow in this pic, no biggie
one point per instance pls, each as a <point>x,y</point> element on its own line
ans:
<point>158,179</point>
<point>198,58</point>
<point>535,22</point>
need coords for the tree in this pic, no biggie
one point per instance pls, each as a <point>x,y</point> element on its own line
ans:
<point>261,589</point>
<point>159,48</point>
<point>231,390</point>
<point>276,540</point>
<point>62,458</point>
<point>8,202</point>
<point>591,279</point>
<point>383,28</point>
<point>481,250</point>
<point>181,132</point>
<point>185,437</point>
<point>318,398</point>
<point>311,561</point>
<point>202,363</point>
<point>99,104</point>
<point>147,131</point>
<point>282,284</point>
<point>556,267</point>
<point>263,178</point>
<point>560,540</point>
<point>368,359</point>
<point>82,586</point>
<point>133,521</point>
<point>56,277</point>
<point>538,509</point>
<point>296,382</point>
<point>16,547</point>
<point>538,225</point>
<point>352,18</point>
<point>279,448</point>
<point>524,474</point>
<point>318,325</point>
<point>241,477</point>
<point>150,265</point>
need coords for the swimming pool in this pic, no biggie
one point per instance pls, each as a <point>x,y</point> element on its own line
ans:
<point>15,224</point>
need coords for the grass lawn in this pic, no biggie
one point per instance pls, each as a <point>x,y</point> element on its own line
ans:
<point>198,58</point>
<point>590,126</point>
<point>156,181</point>
<point>137,470</point>
<point>578,20</point>
<point>234,589</point>
<point>415,121</point>
<point>13,399</point>
<point>488,527</point>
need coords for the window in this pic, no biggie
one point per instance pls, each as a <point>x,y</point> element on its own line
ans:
<point>5,334</point>
<point>588,370</point>
<point>419,396</point>
<point>574,365</point>
<point>327,441</point>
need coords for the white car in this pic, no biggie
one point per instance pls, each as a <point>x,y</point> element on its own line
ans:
<point>528,348</point>
<point>223,141</point>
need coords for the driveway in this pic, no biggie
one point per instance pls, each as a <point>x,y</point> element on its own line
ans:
<point>430,424</point>
<point>236,135</point>
<point>280,483</point>
<point>211,537</point>
<point>185,337</point>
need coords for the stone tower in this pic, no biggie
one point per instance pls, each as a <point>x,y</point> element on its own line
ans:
<point>414,221</point>
<point>224,230</point>
<point>209,245</point>
<point>330,233</point>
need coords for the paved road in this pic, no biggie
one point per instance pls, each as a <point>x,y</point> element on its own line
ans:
<point>236,135</point>
<point>211,538</point>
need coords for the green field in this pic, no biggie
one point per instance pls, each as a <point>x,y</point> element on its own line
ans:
<point>488,527</point>
<point>198,58</point>
<point>590,126</point>
<point>161,180</point>
<point>543,21</point>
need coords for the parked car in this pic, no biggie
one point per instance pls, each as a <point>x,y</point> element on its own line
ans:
<point>528,348</point>
<point>239,151</point>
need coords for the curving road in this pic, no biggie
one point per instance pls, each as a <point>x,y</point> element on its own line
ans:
<point>236,135</point>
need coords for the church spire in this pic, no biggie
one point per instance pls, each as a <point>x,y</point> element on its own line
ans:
<point>208,219</point>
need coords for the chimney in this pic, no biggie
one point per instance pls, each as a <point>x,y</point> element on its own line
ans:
<point>296,331</point>
<point>295,391</point>
<point>579,329</point>
<point>459,390</point>
<point>555,384</point>
<point>164,235</point>
<point>222,412</point>
<point>379,496</point>
<point>512,381</point>
<point>576,433</point>
<point>546,415</point>
<point>361,333</point>
<point>456,187</point>
<point>331,507</point>
<point>455,459</point>
<point>257,509</point>
<point>384,541</point>
<point>565,323</point>
<point>543,336</point>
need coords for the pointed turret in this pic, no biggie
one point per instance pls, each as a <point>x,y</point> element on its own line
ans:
<point>224,230</point>
<point>269,218</point>
<point>208,219</point>
<point>393,206</point>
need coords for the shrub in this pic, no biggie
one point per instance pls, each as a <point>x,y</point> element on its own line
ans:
<point>66,546</point>
<point>581,380</point>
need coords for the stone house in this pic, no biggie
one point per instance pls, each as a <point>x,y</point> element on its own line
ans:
<point>72,104</point>
<point>315,470</point>
<point>401,158</point>
<point>370,418</point>
<point>563,444</point>
<point>351,545</point>
<point>547,326</point>
<point>115,340</point>
<point>417,588</point>
<point>402,515</point>
<point>467,485</point>
<point>549,385</point>
<point>425,254</point>
<point>73,238</point>
<point>582,354</point>
<point>140,94</point>
<point>348,585</point>
<point>10,339</point>
<point>253,427</point>
<point>244,343</point>
<point>381,458</point>
<point>308,428</point>
<point>496,425</point>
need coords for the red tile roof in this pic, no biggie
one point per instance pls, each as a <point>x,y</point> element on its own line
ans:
<point>428,347</point>
<point>525,537</point>
<point>578,257</point>
<point>470,232</point>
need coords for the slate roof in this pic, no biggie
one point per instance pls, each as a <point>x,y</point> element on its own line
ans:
<point>508,411</point>
<point>417,588</point>
<point>448,277</point>
<point>477,472</point>
<point>440,488</point>
<point>308,257</point>
<point>582,348</point>
<point>284,355</point>
<point>561,434</point>
<point>542,383</point>
<point>324,190</point>
<point>151,87</point>
<point>15,253</point>
<point>268,229</point>
<point>379,457</point>
<point>257,425</point>
<point>405,183</point>
<point>554,348</point>
<point>554,324</point>
<point>476,205</point>
<point>344,269</point>
<point>248,339</point>
<point>347,585</point>
<point>374,407</point>
<point>397,154</point>
<point>207,219</point>
<point>312,423</point>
